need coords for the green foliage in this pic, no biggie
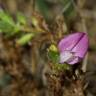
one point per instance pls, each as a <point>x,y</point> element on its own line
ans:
<point>6,22</point>
<point>69,9</point>
<point>54,56</point>
<point>25,39</point>
<point>35,22</point>
<point>43,8</point>
<point>6,17</point>
<point>5,27</point>
<point>21,18</point>
<point>10,28</point>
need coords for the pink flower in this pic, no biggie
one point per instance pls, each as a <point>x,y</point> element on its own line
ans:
<point>73,48</point>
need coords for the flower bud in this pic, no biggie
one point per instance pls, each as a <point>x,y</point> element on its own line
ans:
<point>73,48</point>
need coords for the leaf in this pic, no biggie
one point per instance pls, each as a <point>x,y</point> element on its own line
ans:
<point>6,17</point>
<point>69,9</point>
<point>5,27</point>
<point>43,8</point>
<point>21,19</point>
<point>53,48</point>
<point>35,21</point>
<point>54,56</point>
<point>25,39</point>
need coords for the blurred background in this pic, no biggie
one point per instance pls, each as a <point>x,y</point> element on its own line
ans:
<point>25,70</point>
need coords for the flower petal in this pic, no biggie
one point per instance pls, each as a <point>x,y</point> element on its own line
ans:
<point>81,48</point>
<point>74,60</point>
<point>65,56</point>
<point>70,41</point>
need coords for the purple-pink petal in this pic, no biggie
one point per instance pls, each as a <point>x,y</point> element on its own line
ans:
<point>73,47</point>
<point>81,48</point>
<point>68,57</point>
<point>74,60</point>
<point>65,56</point>
<point>69,41</point>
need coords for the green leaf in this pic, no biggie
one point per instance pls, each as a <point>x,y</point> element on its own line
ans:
<point>6,18</point>
<point>25,39</point>
<point>21,18</point>
<point>54,56</point>
<point>43,8</point>
<point>5,27</point>
<point>15,30</point>
<point>53,48</point>
<point>35,22</point>
<point>69,9</point>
